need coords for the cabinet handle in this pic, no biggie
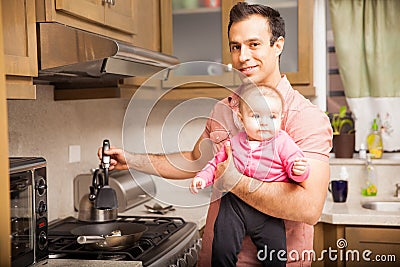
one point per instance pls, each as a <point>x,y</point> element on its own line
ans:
<point>112,2</point>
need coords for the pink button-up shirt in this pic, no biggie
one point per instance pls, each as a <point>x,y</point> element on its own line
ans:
<point>310,129</point>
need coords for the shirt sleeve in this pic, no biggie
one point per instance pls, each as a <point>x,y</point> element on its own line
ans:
<point>208,172</point>
<point>313,135</point>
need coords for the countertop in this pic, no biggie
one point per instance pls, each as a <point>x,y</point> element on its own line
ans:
<point>352,213</point>
<point>196,214</point>
<point>349,213</point>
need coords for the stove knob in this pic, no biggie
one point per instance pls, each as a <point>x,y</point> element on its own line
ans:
<point>42,208</point>
<point>41,186</point>
<point>191,257</point>
<point>182,262</point>
<point>42,240</point>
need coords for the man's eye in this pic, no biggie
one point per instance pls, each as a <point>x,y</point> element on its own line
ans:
<point>272,117</point>
<point>256,116</point>
<point>254,45</point>
<point>235,47</point>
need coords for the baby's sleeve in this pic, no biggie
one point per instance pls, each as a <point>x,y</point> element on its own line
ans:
<point>208,172</point>
<point>289,151</point>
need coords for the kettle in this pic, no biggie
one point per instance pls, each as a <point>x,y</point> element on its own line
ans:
<point>87,210</point>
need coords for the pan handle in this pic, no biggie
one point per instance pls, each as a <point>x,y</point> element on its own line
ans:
<point>90,239</point>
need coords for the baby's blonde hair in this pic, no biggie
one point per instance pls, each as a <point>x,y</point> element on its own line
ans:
<point>248,89</point>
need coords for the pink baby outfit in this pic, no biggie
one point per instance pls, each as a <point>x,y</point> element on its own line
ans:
<point>271,161</point>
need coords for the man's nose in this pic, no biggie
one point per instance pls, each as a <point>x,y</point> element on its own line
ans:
<point>244,53</point>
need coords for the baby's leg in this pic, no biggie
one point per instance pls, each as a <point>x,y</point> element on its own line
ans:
<point>270,240</point>
<point>229,231</point>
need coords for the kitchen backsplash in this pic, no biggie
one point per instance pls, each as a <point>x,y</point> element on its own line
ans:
<point>387,169</point>
<point>46,128</point>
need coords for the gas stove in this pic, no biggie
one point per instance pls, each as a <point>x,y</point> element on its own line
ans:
<point>168,241</point>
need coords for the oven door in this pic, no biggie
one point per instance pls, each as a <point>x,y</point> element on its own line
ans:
<point>22,219</point>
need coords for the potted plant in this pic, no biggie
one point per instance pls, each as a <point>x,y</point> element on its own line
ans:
<point>343,133</point>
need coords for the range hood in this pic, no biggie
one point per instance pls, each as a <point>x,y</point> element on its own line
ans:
<point>71,58</point>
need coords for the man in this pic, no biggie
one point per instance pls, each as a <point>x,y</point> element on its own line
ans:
<point>256,39</point>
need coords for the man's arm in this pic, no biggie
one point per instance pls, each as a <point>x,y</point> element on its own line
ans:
<point>298,202</point>
<point>180,165</point>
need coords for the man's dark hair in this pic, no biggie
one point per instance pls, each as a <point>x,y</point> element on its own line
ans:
<point>243,10</point>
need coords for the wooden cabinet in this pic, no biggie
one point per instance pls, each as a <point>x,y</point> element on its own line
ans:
<point>382,242</point>
<point>5,244</point>
<point>20,56</point>
<point>113,18</point>
<point>115,14</point>
<point>348,245</point>
<point>196,31</point>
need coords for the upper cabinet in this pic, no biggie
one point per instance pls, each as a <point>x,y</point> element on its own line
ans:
<point>20,54</point>
<point>196,30</point>
<point>297,56</point>
<point>112,18</point>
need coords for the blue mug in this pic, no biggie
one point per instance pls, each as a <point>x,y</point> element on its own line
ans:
<point>339,189</point>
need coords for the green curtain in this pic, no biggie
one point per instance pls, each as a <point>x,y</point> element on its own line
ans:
<point>367,42</point>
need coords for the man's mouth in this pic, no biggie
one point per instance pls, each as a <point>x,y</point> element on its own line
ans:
<point>248,70</point>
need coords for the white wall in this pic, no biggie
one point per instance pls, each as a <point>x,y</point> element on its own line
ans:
<point>44,127</point>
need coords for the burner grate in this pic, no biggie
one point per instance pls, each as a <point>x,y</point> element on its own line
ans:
<point>62,242</point>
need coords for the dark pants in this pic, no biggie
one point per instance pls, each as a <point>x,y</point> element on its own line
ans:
<point>236,219</point>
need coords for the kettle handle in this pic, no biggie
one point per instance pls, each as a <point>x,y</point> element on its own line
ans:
<point>97,183</point>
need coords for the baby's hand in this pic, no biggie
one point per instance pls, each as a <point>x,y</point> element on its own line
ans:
<point>299,166</point>
<point>197,183</point>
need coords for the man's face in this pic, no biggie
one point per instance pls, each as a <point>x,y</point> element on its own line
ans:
<point>251,53</point>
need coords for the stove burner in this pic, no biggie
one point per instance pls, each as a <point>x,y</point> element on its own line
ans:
<point>165,239</point>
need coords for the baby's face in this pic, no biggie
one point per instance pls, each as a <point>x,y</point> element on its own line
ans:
<point>261,117</point>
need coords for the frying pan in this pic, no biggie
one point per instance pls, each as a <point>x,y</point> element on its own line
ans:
<point>100,236</point>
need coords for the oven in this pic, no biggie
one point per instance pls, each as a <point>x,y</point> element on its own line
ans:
<point>28,210</point>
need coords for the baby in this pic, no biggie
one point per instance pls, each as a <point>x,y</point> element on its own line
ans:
<point>266,153</point>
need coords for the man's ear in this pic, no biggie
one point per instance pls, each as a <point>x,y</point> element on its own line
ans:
<point>278,45</point>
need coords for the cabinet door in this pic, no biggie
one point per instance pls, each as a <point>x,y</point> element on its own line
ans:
<point>20,56</point>
<point>118,14</point>
<point>384,244</point>
<point>19,33</point>
<point>297,56</point>
<point>196,30</point>
<point>92,10</point>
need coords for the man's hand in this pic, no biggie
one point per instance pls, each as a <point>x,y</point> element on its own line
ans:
<point>226,175</point>
<point>118,160</point>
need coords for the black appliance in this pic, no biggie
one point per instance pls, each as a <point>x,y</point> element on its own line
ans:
<point>28,210</point>
<point>168,241</point>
